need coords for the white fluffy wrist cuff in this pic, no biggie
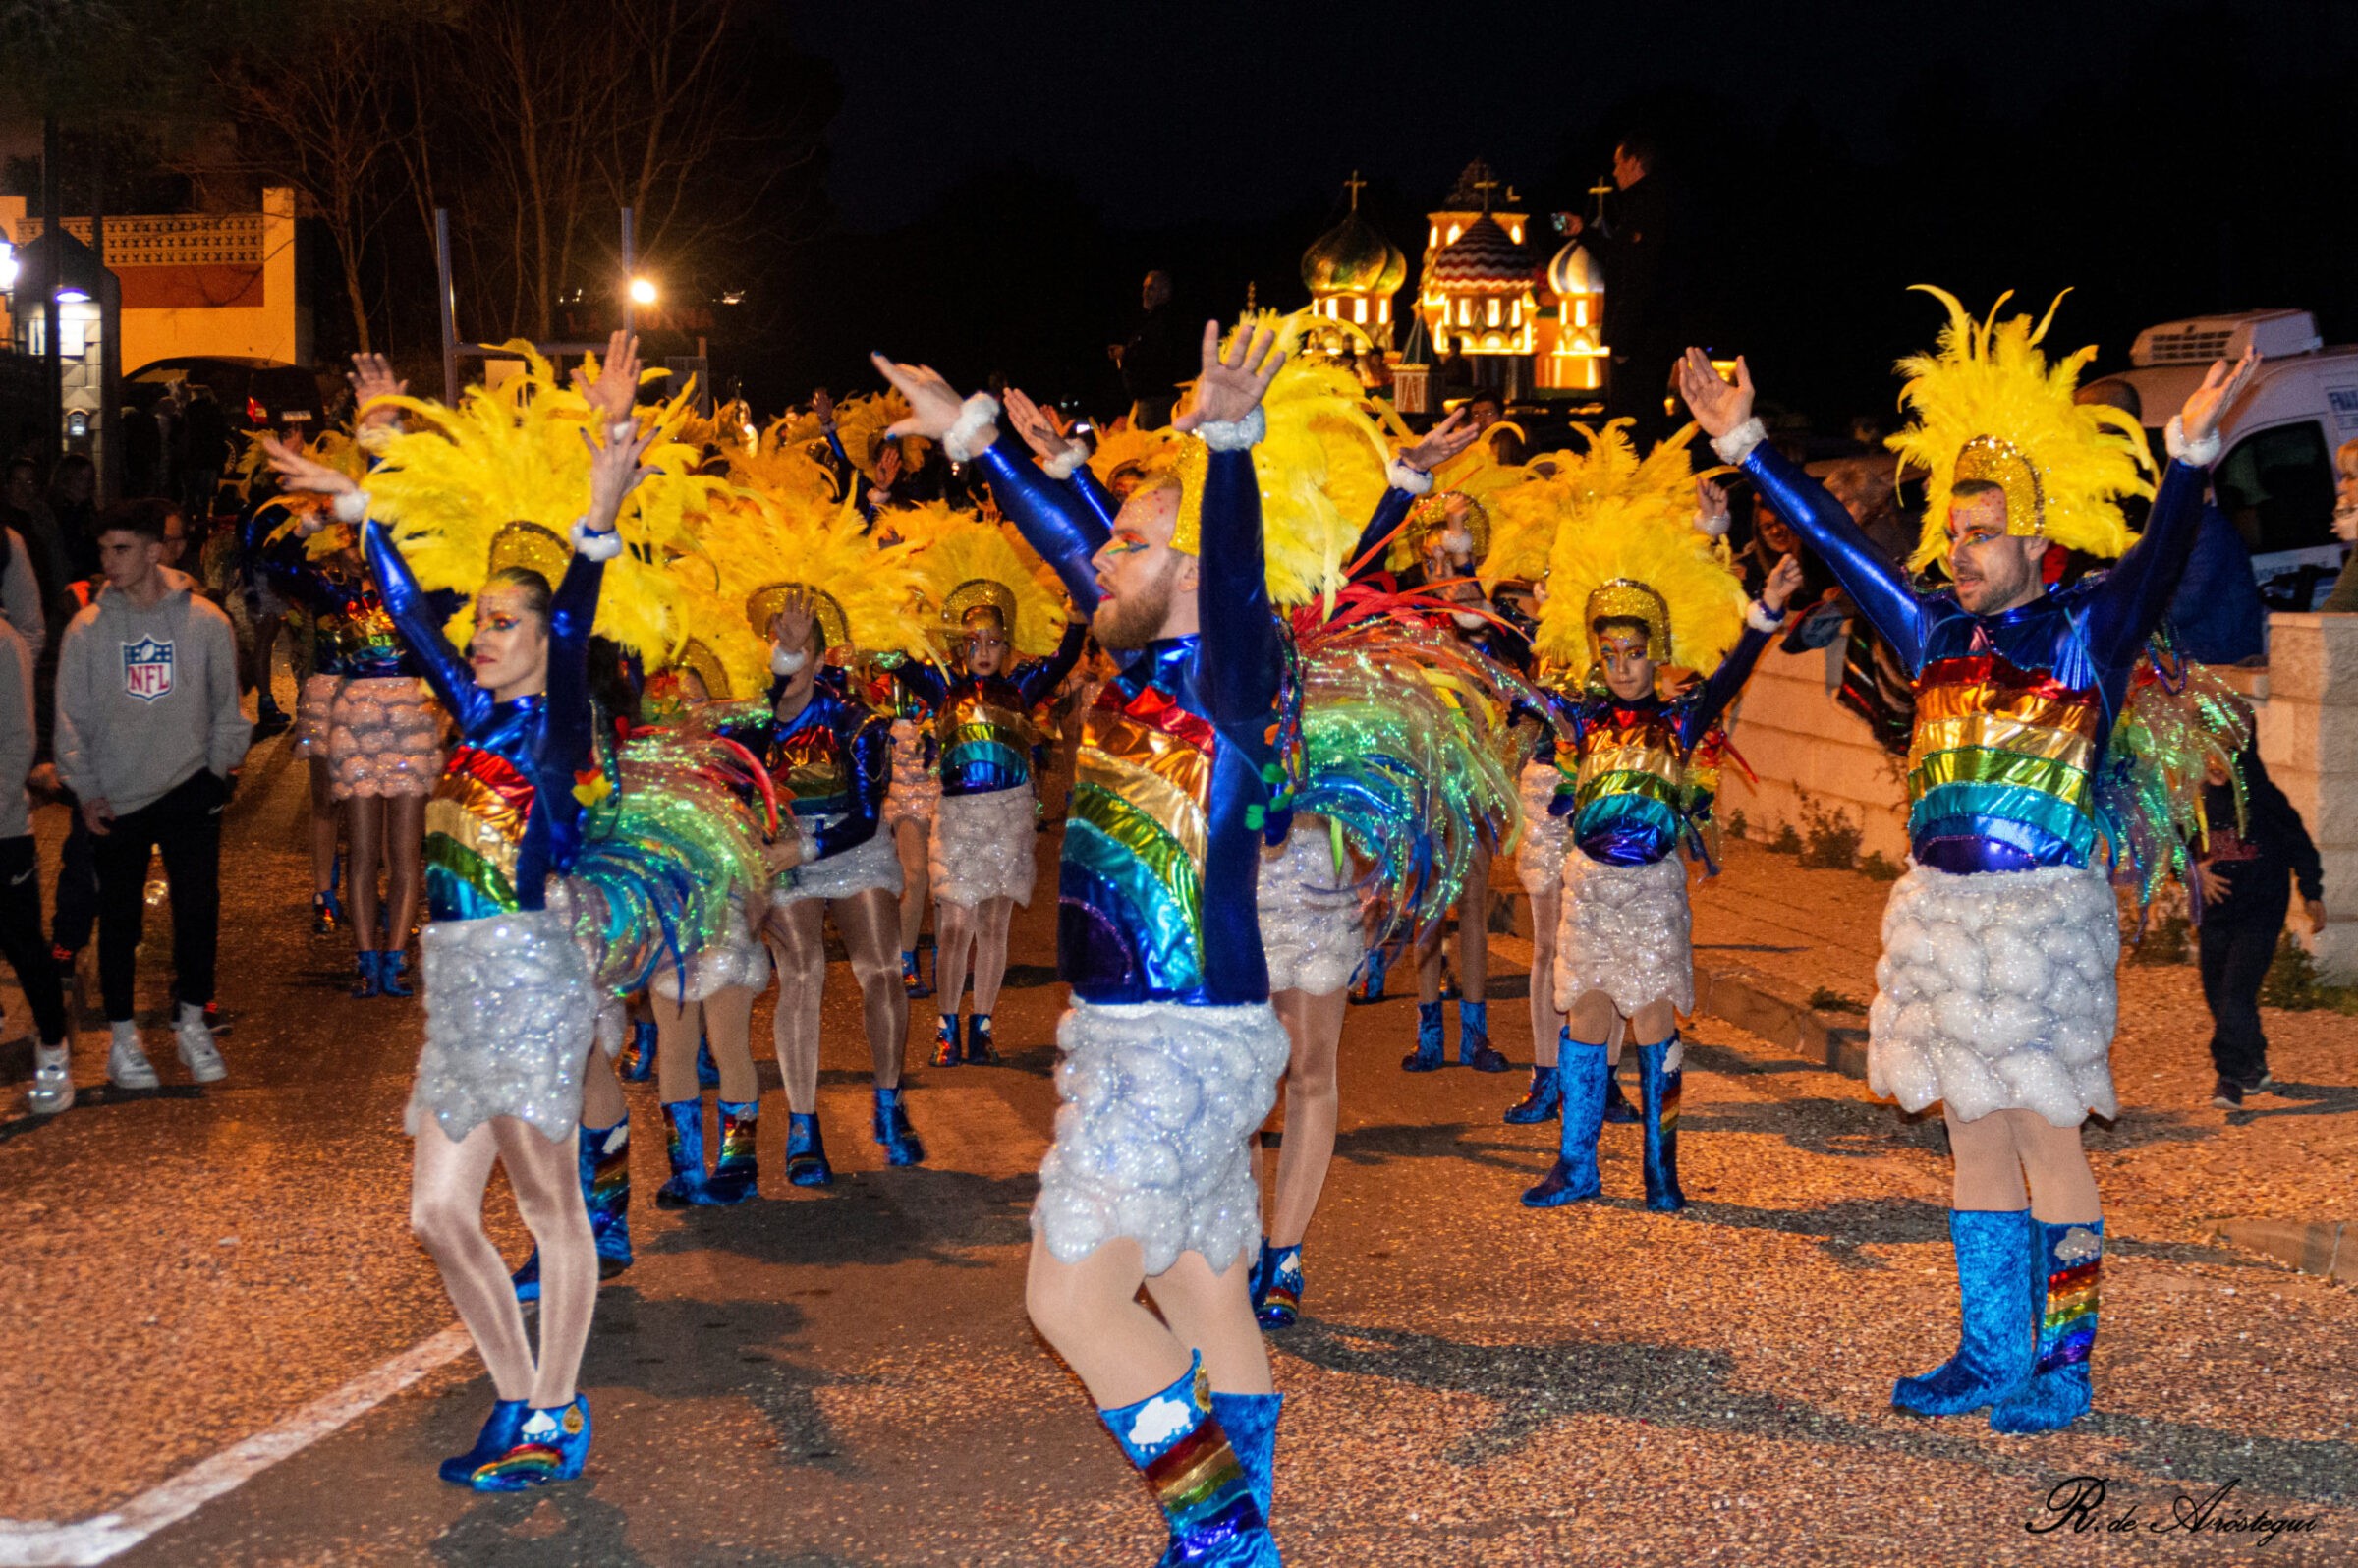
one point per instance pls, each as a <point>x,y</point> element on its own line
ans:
<point>1415,481</point>
<point>1235,436</point>
<point>1761,618</point>
<point>2196,454</point>
<point>603,545</point>
<point>352,507</point>
<point>958,440</point>
<point>1712,524</point>
<point>1737,444</point>
<point>1061,467</point>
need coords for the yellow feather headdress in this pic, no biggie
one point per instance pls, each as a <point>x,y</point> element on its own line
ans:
<point>1320,468</point>
<point>1626,549</point>
<point>968,563</point>
<point>500,480</point>
<point>298,509</point>
<point>860,424</point>
<point>1989,406</point>
<point>1525,515</point>
<point>1475,474</point>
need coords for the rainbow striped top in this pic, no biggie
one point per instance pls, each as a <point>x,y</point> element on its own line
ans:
<point>2004,755</point>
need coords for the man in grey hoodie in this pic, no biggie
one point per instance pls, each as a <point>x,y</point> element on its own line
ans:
<point>147,732</point>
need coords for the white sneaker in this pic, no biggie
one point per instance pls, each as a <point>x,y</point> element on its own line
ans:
<point>128,1066</point>
<point>198,1052</point>
<point>52,1079</point>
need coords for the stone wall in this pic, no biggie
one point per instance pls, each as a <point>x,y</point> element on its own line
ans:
<point>1813,758</point>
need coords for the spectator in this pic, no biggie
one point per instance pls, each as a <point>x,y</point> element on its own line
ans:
<point>1642,250</point>
<point>148,733</point>
<point>205,433</point>
<point>21,593</point>
<point>22,511</point>
<point>1159,355</point>
<point>142,453</point>
<point>2243,877</point>
<point>1486,409</point>
<point>21,886</point>
<point>74,503</point>
<point>2343,600</point>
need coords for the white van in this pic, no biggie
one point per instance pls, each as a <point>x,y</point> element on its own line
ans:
<point>2274,480</point>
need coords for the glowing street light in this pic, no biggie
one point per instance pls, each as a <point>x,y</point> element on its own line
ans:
<point>643,291</point>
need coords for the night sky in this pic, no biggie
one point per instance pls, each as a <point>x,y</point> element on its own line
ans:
<point>994,187</point>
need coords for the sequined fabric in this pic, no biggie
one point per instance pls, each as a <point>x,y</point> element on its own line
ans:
<point>1539,853</point>
<point>871,863</point>
<point>1625,932</point>
<point>982,846</point>
<point>510,1017</point>
<point>314,704</point>
<point>1996,991</point>
<point>384,738</point>
<point>737,960</point>
<point>1309,915</point>
<point>474,827</point>
<point>986,740</point>
<point>2004,756</point>
<point>915,786</point>
<point>1158,1100</point>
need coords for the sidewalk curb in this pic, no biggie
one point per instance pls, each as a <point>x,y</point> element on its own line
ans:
<point>1753,1001</point>
<point>2314,1247</point>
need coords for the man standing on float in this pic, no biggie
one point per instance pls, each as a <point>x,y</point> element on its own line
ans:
<point>1996,991</point>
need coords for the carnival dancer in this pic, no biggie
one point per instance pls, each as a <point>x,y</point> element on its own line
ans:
<point>1011,656</point>
<point>1996,991</point>
<point>1171,1050</point>
<point>909,808</point>
<point>817,592</point>
<point>512,993</point>
<point>1633,588</point>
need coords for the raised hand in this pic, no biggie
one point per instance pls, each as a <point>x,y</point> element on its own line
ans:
<point>933,404</point>
<point>888,466</point>
<point>1033,425</point>
<point>823,404</point>
<point>1718,407</point>
<point>1231,384</point>
<point>791,626</point>
<point>614,472</point>
<point>615,392</point>
<point>299,472</point>
<point>1711,501</point>
<point>373,379</point>
<point>1442,442</point>
<point>1784,581</point>
<point>2208,402</point>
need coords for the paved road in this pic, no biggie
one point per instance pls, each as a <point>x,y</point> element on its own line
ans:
<point>847,1378</point>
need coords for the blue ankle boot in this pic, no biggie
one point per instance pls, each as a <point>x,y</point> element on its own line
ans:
<point>1544,1101</point>
<point>607,1188</point>
<point>1995,1270</point>
<point>685,1145</point>
<point>1250,1423</point>
<point>1366,985</point>
<point>806,1152</point>
<point>946,1047</point>
<point>1428,1057</point>
<point>369,984</point>
<point>497,1438</point>
<point>900,1139</point>
<point>1657,1094</point>
<point>1278,1304</point>
<point>2063,1291</point>
<point>1474,1048</point>
<point>912,981</point>
<point>392,967</point>
<point>1195,1474</point>
<point>737,1171</point>
<point>637,1064</point>
<point>1582,1071</point>
<point>980,1051</point>
<point>550,1445</point>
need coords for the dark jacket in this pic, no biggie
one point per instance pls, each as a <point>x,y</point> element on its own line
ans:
<point>2271,845</point>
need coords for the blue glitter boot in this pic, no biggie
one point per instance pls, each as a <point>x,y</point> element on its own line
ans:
<point>1428,1057</point>
<point>1545,1101</point>
<point>737,1171</point>
<point>806,1152</point>
<point>550,1445</point>
<point>901,1144</point>
<point>497,1438</point>
<point>2064,1290</point>
<point>1617,1108</point>
<point>1995,1272</point>
<point>1191,1467</point>
<point>526,1279</point>
<point>392,965</point>
<point>946,1047</point>
<point>637,1063</point>
<point>1474,1048</point>
<point>1280,1300</point>
<point>687,1188</point>
<point>980,1051</point>
<point>1573,1177</point>
<point>1366,985</point>
<point>1250,1423</point>
<point>912,981</point>
<point>369,984</point>
<point>607,1185</point>
<point>1657,1091</point>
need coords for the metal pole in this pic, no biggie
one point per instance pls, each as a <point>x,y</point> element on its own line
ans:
<point>630,270</point>
<point>53,226</point>
<point>449,303</point>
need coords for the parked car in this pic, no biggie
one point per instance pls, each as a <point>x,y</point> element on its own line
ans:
<point>2275,478</point>
<point>256,394</point>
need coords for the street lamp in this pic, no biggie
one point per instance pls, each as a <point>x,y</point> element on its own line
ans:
<point>643,291</point>
<point>7,267</point>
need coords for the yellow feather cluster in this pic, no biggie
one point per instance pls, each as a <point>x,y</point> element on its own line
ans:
<point>860,424</point>
<point>517,454</point>
<point>1475,473</point>
<point>296,508</point>
<point>1525,514</point>
<point>1989,379</point>
<point>1620,519</point>
<point>953,550</point>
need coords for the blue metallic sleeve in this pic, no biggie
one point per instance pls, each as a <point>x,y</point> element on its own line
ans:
<point>1879,588</point>
<point>2129,602</point>
<point>1040,677</point>
<point>870,753</point>
<point>1724,683</point>
<point>571,614</point>
<point>922,681</point>
<point>1093,493</point>
<point>1065,529</point>
<point>1390,513</point>
<point>1242,653</point>
<point>451,676</point>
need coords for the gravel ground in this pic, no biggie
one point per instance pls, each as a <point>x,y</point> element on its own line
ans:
<point>847,1378</point>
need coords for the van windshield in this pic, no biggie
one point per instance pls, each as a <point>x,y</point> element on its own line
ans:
<point>2276,485</point>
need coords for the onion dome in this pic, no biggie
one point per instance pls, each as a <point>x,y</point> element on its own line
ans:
<point>1483,257</point>
<point>1575,271</point>
<point>1353,259</point>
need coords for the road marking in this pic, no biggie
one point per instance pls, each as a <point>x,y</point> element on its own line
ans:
<point>26,1543</point>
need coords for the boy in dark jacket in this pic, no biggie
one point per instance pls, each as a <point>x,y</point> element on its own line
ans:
<point>2245,879</point>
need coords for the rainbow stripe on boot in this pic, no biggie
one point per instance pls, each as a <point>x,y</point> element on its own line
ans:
<point>1179,1445</point>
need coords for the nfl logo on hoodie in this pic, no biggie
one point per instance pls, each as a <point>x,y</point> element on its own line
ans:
<point>147,669</point>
